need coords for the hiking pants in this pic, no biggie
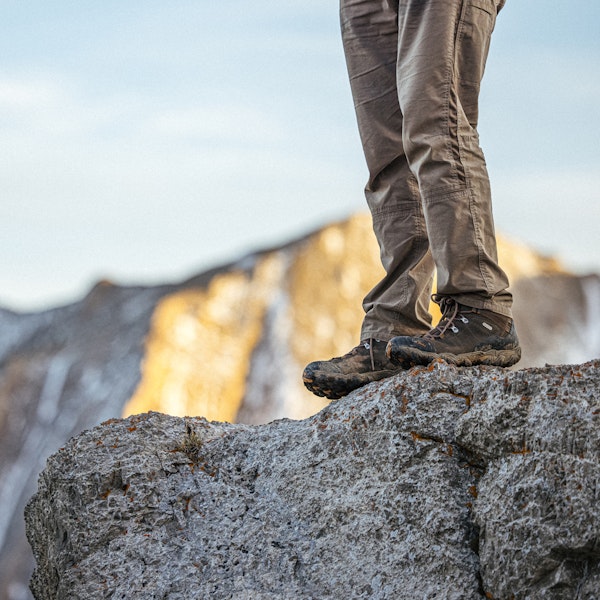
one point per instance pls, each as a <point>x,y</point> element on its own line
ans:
<point>415,69</point>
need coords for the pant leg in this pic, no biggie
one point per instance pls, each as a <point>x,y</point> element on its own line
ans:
<point>442,50</point>
<point>398,305</point>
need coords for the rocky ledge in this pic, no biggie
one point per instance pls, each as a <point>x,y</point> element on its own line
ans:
<point>445,482</point>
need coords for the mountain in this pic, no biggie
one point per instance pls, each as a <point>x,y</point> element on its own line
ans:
<point>228,345</point>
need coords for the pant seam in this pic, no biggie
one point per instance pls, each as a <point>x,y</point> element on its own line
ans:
<point>452,118</point>
<point>478,240</point>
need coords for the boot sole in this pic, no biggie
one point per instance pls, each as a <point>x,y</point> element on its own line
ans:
<point>505,357</point>
<point>334,387</point>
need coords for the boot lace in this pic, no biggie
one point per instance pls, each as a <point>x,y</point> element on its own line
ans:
<point>368,344</point>
<point>450,314</point>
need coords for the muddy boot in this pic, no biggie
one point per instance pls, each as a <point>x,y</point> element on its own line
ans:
<point>339,376</point>
<point>465,336</point>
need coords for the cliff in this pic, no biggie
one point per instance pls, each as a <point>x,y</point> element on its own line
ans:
<point>442,482</point>
<point>228,344</point>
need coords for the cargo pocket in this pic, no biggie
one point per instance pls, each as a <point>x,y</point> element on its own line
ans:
<point>473,37</point>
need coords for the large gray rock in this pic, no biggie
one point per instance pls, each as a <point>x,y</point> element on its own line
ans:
<point>437,483</point>
<point>538,509</point>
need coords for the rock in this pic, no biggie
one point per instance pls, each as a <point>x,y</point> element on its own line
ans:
<point>538,508</point>
<point>445,482</point>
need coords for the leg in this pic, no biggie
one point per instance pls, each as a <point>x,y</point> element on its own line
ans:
<point>441,57</point>
<point>442,50</point>
<point>399,303</point>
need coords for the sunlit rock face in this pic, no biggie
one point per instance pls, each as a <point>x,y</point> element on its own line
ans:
<point>198,351</point>
<point>229,345</point>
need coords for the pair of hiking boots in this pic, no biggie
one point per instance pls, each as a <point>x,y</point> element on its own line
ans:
<point>465,336</point>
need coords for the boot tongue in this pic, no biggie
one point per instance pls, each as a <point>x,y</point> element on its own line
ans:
<point>446,304</point>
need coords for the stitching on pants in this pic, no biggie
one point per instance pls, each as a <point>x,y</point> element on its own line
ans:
<point>453,100</point>
<point>478,240</point>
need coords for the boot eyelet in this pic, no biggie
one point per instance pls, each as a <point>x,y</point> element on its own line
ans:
<point>454,329</point>
<point>464,319</point>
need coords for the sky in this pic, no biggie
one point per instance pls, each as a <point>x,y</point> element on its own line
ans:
<point>145,141</point>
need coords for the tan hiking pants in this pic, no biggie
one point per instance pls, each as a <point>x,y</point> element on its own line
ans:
<point>415,68</point>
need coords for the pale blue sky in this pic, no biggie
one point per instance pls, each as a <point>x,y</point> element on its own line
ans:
<point>145,141</point>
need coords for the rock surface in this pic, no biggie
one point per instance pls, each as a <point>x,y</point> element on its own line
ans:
<point>446,482</point>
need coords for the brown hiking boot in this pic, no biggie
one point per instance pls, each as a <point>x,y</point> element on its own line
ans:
<point>339,376</point>
<point>465,336</point>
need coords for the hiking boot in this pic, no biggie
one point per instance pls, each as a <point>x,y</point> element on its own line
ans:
<point>464,337</point>
<point>339,376</point>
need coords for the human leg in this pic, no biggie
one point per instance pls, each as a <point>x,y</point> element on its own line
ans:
<point>399,303</point>
<point>441,62</point>
<point>442,50</point>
